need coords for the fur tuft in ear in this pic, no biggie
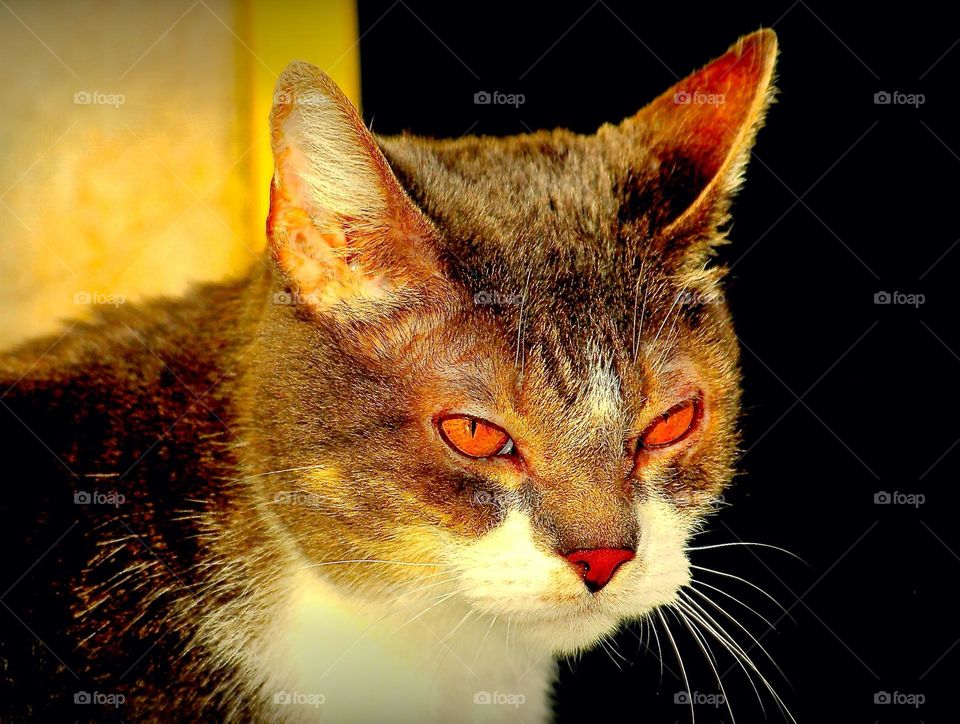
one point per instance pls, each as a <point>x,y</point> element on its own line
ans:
<point>341,227</point>
<point>695,140</point>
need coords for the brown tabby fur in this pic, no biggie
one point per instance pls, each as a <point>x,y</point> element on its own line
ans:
<point>517,274</point>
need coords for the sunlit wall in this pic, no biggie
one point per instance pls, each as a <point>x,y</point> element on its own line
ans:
<point>134,155</point>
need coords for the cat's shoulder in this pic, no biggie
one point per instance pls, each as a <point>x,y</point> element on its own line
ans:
<point>126,347</point>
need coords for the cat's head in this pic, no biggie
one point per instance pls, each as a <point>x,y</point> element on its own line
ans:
<point>506,361</point>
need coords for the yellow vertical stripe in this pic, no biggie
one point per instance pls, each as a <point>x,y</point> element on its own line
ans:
<point>323,33</point>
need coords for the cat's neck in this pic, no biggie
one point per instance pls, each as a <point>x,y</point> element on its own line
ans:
<point>394,660</point>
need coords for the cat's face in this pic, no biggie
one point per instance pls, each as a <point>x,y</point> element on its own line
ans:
<point>526,376</point>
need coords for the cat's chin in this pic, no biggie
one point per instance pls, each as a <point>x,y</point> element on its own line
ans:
<point>569,630</point>
<point>568,636</point>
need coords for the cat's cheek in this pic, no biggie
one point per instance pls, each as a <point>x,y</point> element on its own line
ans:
<point>462,504</point>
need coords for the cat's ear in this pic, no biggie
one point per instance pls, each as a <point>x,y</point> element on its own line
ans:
<point>687,150</point>
<point>341,226</point>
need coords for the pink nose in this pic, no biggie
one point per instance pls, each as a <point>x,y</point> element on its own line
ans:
<point>597,565</point>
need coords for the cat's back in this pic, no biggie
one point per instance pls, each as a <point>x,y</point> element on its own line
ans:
<point>113,433</point>
<point>102,395</point>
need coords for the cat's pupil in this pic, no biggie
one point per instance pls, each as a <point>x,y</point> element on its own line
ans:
<point>473,428</point>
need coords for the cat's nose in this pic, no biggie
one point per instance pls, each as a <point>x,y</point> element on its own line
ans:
<point>596,566</point>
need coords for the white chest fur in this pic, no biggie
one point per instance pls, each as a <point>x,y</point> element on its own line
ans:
<point>325,660</point>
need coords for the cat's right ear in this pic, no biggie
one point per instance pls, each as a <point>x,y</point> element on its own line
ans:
<point>341,227</point>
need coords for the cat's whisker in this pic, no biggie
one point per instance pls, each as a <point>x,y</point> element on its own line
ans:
<point>656,636</point>
<point>717,630</point>
<point>666,318</point>
<point>374,560</point>
<point>638,332</point>
<point>639,634</point>
<point>442,647</point>
<point>444,598</point>
<point>711,659</point>
<point>616,651</point>
<point>278,472</point>
<point>683,670</point>
<point>605,646</point>
<point>728,615</point>
<point>422,589</point>
<point>713,546</point>
<point>731,597</point>
<point>520,356</point>
<point>745,582</point>
<point>456,628</point>
<point>484,639</point>
<point>722,638</point>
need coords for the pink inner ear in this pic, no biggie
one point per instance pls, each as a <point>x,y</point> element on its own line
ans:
<point>705,113</point>
<point>313,257</point>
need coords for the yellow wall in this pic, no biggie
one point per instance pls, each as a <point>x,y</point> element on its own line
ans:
<point>161,179</point>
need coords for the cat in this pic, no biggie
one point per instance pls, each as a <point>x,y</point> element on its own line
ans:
<point>463,420</point>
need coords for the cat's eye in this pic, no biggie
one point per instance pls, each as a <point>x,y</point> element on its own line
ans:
<point>672,426</point>
<point>474,437</point>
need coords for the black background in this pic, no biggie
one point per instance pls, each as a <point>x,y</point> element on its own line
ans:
<point>845,398</point>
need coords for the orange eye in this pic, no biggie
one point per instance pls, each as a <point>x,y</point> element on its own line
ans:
<point>474,437</point>
<point>672,426</point>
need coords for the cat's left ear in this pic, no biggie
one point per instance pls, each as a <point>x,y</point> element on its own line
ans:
<point>687,150</point>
